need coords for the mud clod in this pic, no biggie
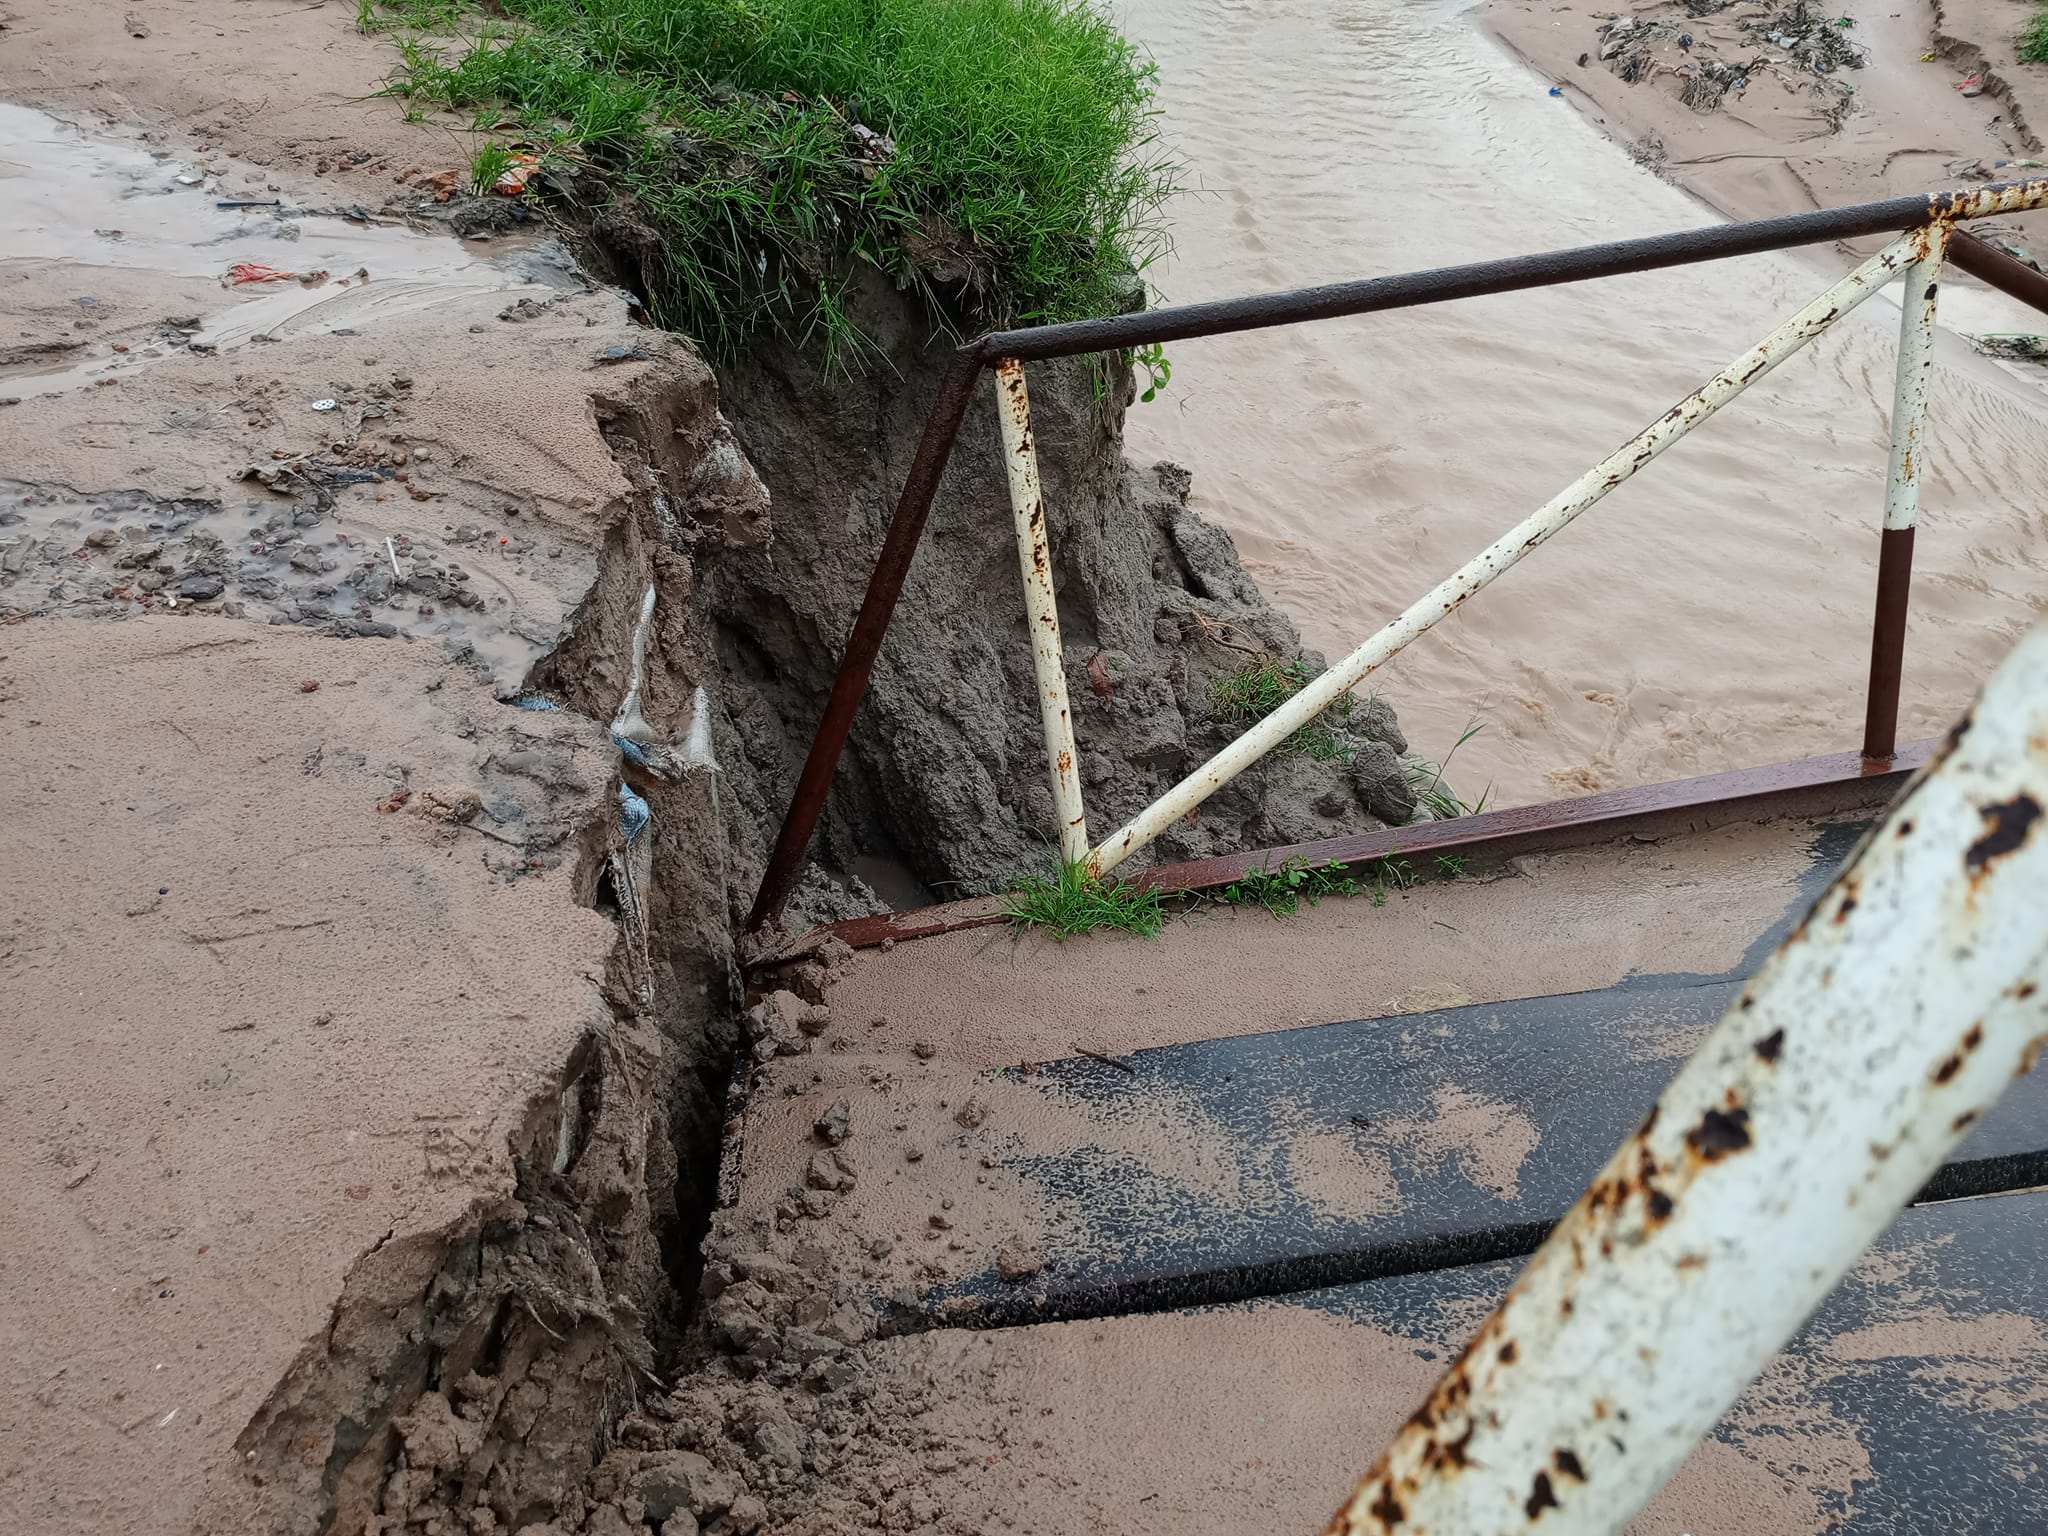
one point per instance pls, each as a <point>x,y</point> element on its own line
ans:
<point>835,1125</point>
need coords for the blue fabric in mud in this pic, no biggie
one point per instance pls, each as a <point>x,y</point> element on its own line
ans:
<point>634,813</point>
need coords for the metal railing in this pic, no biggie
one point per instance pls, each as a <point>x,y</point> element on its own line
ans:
<point>1864,1050</point>
<point>1916,255</point>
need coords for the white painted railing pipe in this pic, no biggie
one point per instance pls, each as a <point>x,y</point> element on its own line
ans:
<point>1034,558</point>
<point>1863,1051</point>
<point>1915,373</point>
<point>1534,530</point>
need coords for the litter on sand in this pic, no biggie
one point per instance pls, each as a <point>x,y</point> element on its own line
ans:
<point>256,272</point>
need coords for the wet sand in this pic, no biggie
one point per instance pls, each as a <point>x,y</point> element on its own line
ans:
<point>1712,614</point>
<point>1769,147</point>
<point>295,938</point>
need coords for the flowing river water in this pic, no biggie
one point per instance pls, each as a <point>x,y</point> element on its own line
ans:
<point>1713,613</point>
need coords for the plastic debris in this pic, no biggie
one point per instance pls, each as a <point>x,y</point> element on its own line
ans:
<point>697,740</point>
<point>325,405</point>
<point>255,272</point>
<point>630,723</point>
<point>513,180</point>
<point>533,702</point>
<point>1557,90</point>
<point>634,813</point>
<point>1971,85</point>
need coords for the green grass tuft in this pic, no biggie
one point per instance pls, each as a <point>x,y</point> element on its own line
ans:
<point>1261,686</point>
<point>772,146</point>
<point>1068,901</point>
<point>491,161</point>
<point>2033,39</point>
<point>1427,778</point>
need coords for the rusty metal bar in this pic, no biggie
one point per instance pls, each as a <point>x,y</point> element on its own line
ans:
<point>1885,1025</point>
<point>1034,558</point>
<point>1888,645</point>
<point>2009,275</point>
<point>1842,782</point>
<point>1914,373</point>
<point>885,585</point>
<point>1482,569</point>
<point>1218,317</point>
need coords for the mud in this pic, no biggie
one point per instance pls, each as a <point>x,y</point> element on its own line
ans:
<point>371,1065</point>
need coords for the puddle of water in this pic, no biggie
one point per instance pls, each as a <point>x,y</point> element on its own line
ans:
<point>97,204</point>
<point>1711,614</point>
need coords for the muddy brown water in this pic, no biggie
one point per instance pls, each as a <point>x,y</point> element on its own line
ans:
<point>1713,613</point>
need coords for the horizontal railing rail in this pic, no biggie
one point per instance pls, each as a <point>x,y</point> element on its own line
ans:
<point>1927,222</point>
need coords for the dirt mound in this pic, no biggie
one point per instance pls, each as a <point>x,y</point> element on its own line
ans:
<point>945,769</point>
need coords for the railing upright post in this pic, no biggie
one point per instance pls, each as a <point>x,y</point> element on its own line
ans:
<point>1902,495</point>
<point>1034,557</point>
<point>885,585</point>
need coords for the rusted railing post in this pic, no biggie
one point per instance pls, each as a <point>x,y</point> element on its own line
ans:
<point>1893,1016</point>
<point>899,547</point>
<point>1041,613</point>
<point>1902,494</point>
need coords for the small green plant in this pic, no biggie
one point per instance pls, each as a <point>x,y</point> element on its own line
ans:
<point>1068,901</point>
<point>1430,789</point>
<point>2033,40</point>
<point>1261,686</point>
<point>1158,370</point>
<point>1449,865</point>
<point>1281,891</point>
<point>490,161</point>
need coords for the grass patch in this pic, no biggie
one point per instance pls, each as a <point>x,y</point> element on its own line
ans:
<point>1427,778</point>
<point>1261,686</point>
<point>773,146</point>
<point>2033,39</point>
<point>1068,901</point>
<point>1282,892</point>
<point>491,161</point>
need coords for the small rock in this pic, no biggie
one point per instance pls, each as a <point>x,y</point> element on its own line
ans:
<point>825,1172</point>
<point>815,1019</point>
<point>103,538</point>
<point>772,1024</point>
<point>913,1154</point>
<point>940,1222</point>
<point>970,1114</point>
<point>201,586</point>
<point>835,1125</point>
<point>747,1514</point>
<point>1015,1262</point>
<point>818,1203</point>
<point>881,1248</point>
<point>780,1443</point>
<point>803,1346</point>
<point>924,1050</point>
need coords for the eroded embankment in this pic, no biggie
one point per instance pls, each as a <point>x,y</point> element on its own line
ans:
<point>374,1021</point>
